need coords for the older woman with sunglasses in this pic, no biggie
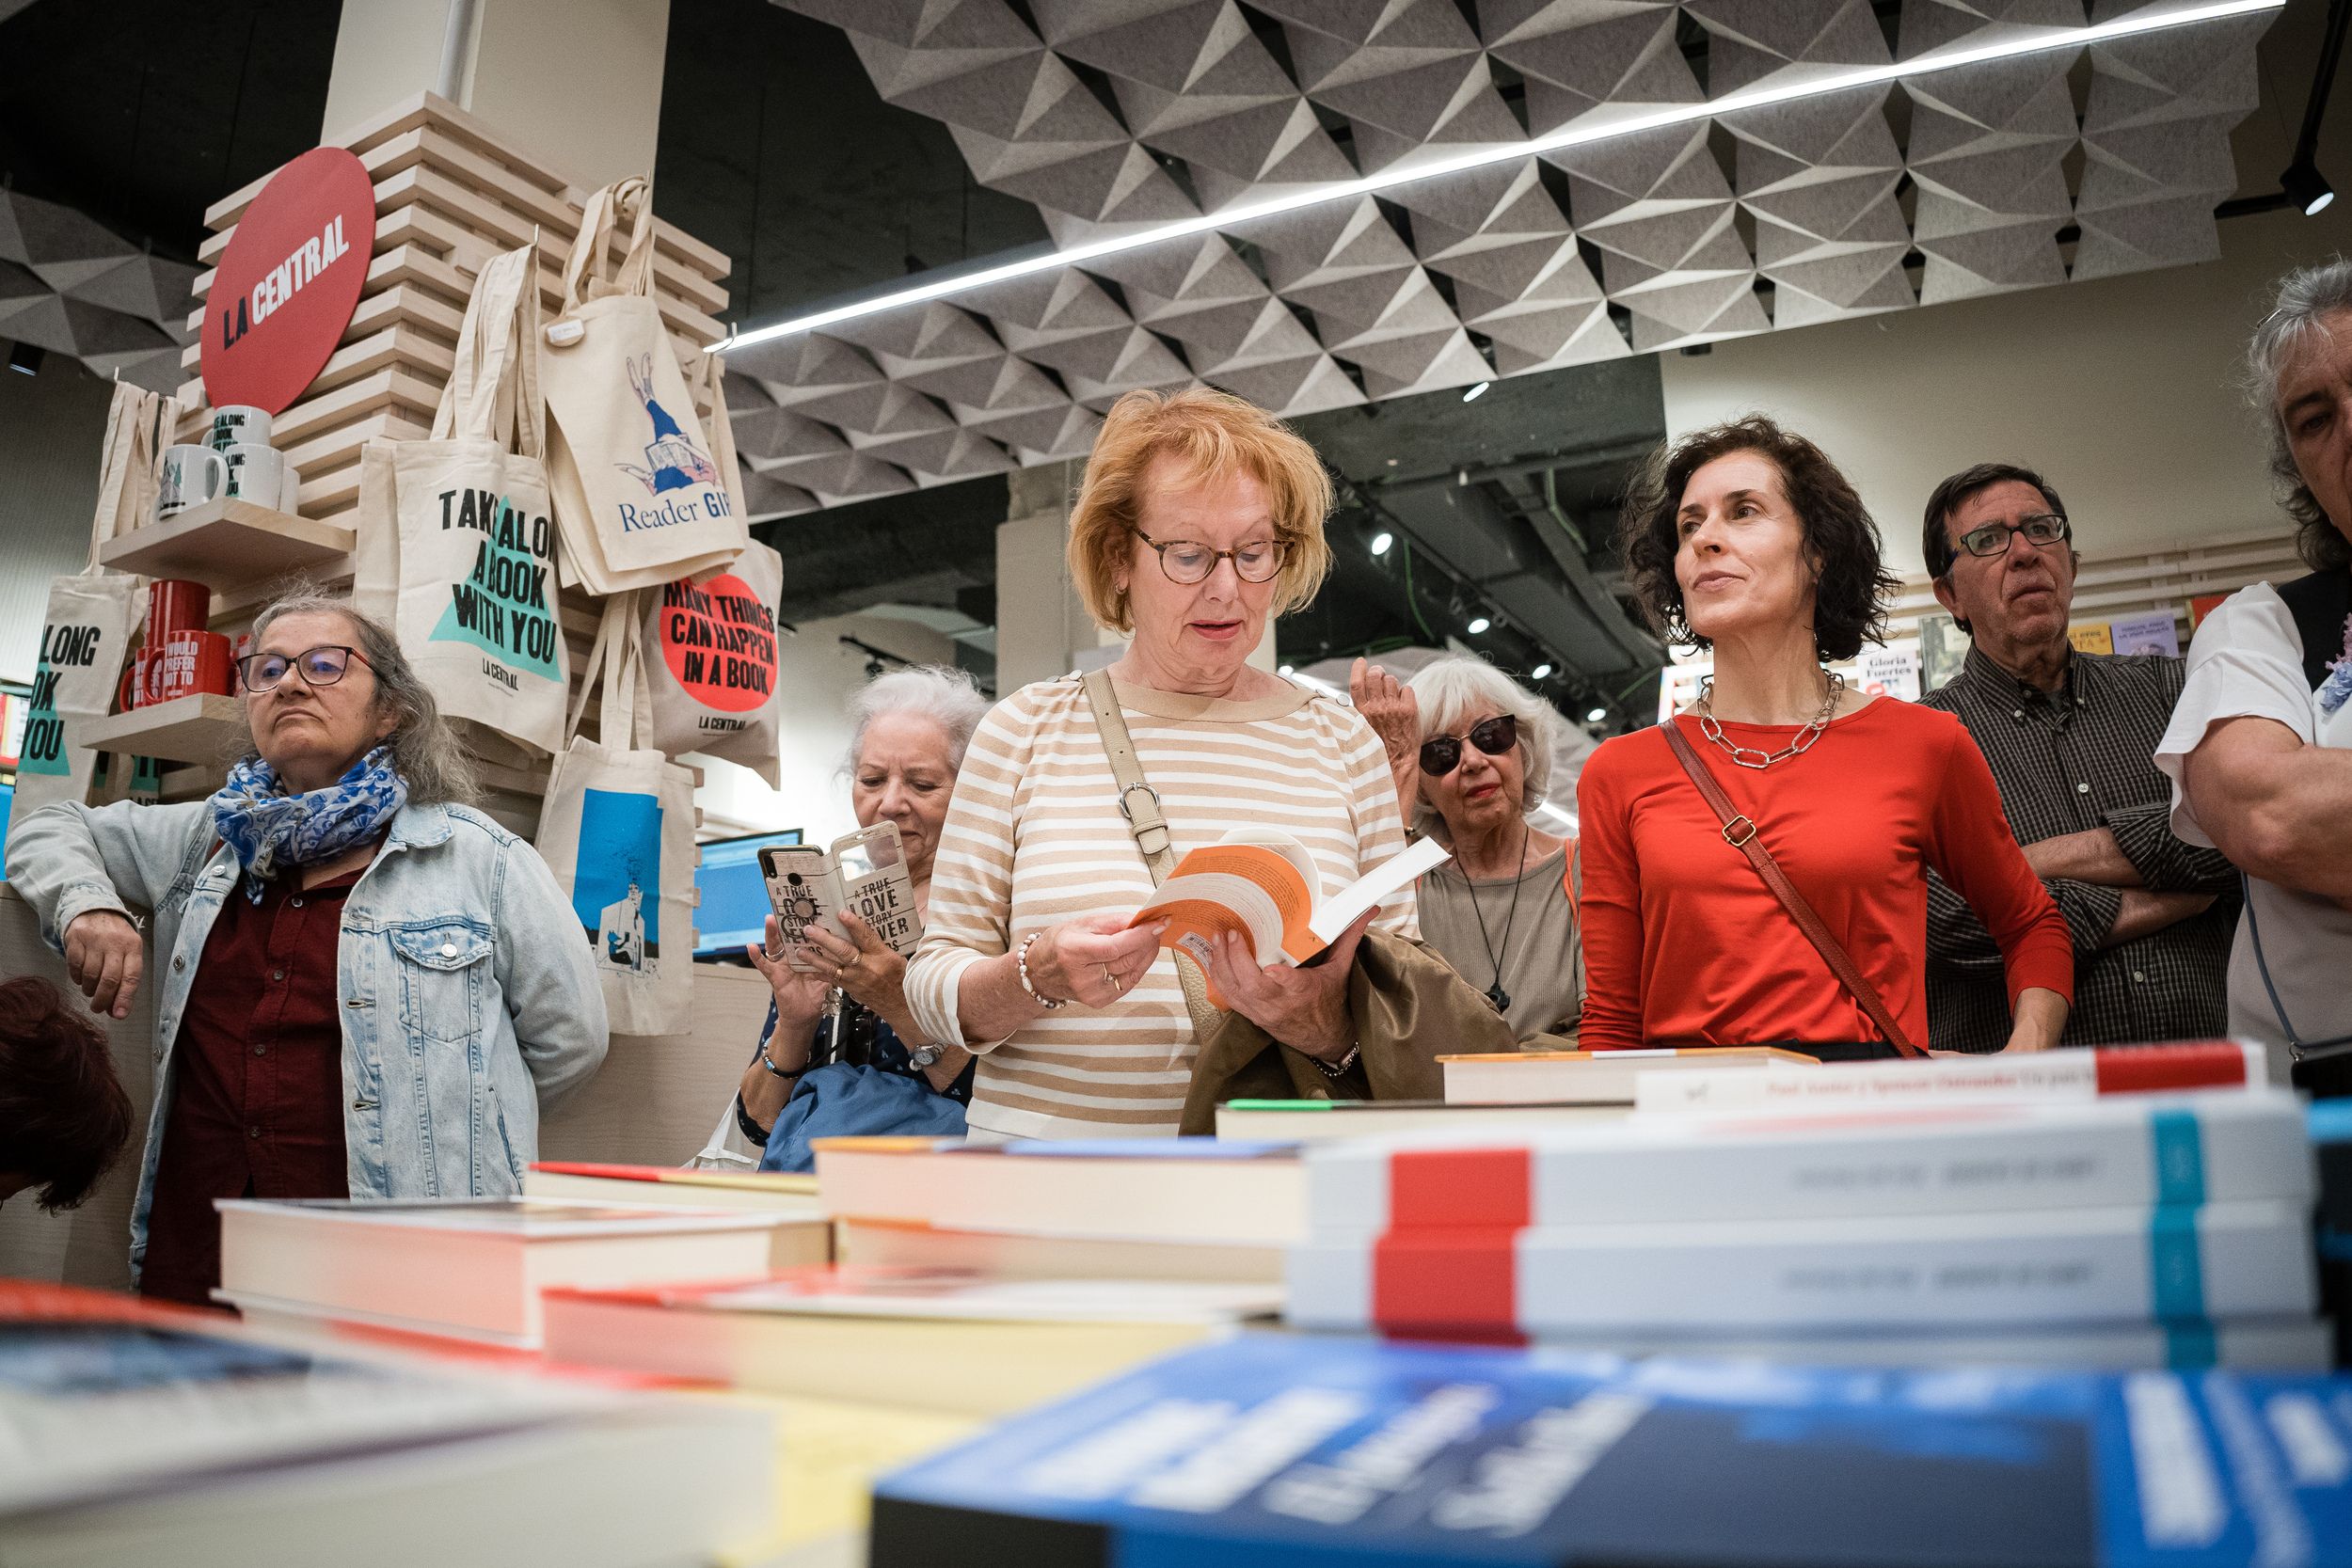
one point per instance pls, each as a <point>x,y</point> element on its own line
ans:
<point>368,988</point>
<point>1200,519</point>
<point>1470,751</point>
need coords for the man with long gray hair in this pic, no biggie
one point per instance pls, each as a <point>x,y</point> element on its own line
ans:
<point>367,988</point>
<point>2260,747</point>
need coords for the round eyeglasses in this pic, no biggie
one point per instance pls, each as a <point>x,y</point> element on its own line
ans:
<point>1188,563</point>
<point>1441,754</point>
<point>2042,528</point>
<point>321,666</point>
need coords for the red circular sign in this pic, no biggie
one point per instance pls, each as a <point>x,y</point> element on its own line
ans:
<point>720,641</point>
<point>288,282</point>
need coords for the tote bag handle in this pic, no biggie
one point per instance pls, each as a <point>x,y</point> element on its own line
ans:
<point>492,392</point>
<point>613,668</point>
<point>588,272</point>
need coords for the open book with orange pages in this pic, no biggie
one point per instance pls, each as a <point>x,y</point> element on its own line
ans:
<point>588,1181</point>
<point>1596,1077</point>
<point>1262,886</point>
<point>133,1432</point>
<point>922,1338</point>
<point>2062,1076</point>
<point>473,1270</point>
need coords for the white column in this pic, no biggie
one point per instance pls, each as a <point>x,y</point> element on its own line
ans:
<point>576,84</point>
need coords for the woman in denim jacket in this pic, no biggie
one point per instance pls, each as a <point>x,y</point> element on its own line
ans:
<point>369,988</point>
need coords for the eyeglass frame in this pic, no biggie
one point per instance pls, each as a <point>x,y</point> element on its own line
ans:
<point>1282,557</point>
<point>1470,737</point>
<point>2010,532</point>
<point>293,664</point>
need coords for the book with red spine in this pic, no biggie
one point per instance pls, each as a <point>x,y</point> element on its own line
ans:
<point>2117,1151</point>
<point>2086,1074</point>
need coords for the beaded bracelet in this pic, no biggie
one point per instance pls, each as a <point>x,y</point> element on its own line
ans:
<point>1021,963</point>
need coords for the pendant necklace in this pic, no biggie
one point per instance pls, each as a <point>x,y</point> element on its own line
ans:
<point>1495,993</point>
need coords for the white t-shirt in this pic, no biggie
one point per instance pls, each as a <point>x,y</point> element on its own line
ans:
<point>2247,661</point>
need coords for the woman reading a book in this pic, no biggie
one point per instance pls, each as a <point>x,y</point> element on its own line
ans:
<point>365,987</point>
<point>1199,519</point>
<point>1746,540</point>
<point>909,732</point>
<point>1470,750</point>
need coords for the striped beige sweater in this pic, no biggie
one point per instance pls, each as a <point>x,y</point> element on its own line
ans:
<point>1035,837</point>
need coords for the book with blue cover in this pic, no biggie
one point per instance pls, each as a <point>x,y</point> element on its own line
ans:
<point>1265,1450</point>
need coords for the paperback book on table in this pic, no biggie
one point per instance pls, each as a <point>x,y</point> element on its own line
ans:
<point>2089,1074</point>
<point>1341,1453</point>
<point>131,1433</point>
<point>475,1269</point>
<point>931,1338</point>
<point>1597,1077</point>
<point>596,1182</point>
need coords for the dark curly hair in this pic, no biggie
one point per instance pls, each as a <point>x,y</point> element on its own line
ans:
<point>1849,598</point>
<point>2299,311</point>
<point>63,1115</point>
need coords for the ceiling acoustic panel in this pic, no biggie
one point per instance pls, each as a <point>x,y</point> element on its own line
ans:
<point>1116,115</point>
<point>73,287</point>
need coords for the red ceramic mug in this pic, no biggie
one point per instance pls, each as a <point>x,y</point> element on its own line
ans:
<point>174,604</point>
<point>192,662</point>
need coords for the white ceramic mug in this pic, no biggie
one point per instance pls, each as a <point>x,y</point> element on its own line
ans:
<point>238,422</point>
<point>190,477</point>
<point>258,474</point>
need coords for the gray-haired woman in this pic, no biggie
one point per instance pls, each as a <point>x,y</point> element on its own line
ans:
<point>371,988</point>
<point>1470,751</point>
<point>907,743</point>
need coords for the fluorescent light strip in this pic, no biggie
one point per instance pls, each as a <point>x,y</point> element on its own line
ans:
<point>1570,135</point>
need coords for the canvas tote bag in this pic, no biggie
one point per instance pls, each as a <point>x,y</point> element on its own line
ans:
<point>619,830</point>
<point>456,549</point>
<point>86,630</point>
<point>709,651</point>
<point>641,499</point>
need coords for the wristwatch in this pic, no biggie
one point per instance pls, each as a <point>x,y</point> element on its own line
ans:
<point>924,1055</point>
<point>1338,1069</point>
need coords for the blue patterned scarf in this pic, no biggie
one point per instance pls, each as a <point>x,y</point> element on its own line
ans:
<point>270,830</point>
<point>2336,688</point>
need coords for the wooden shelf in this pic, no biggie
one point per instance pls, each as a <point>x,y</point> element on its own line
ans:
<point>227,543</point>
<point>199,729</point>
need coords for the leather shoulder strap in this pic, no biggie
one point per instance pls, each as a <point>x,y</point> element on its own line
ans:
<point>1740,832</point>
<point>1139,803</point>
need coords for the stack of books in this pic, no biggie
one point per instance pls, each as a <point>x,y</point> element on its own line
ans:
<point>1349,1452</point>
<point>2142,1229</point>
<point>591,1181</point>
<point>474,1270</point>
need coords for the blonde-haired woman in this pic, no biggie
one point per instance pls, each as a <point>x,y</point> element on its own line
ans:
<point>1470,751</point>
<point>1201,518</point>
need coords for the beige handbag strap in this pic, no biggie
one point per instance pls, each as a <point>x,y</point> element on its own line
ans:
<point>1139,803</point>
<point>588,272</point>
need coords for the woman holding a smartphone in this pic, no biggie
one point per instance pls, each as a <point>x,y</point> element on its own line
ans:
<point>911,730</point>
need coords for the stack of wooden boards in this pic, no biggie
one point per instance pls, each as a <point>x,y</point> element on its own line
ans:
<point>450,194</point>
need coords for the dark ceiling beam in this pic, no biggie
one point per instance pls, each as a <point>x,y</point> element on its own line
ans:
<point>921,544</point>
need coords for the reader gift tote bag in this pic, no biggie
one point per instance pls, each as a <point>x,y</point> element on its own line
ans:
<point>90,617</point>
<point>640,497</point>
<point>710,655</point>
<point>619,830</point>
<point>456,538</point>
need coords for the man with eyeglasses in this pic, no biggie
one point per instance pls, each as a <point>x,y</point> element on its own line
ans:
<point>2071,739</point>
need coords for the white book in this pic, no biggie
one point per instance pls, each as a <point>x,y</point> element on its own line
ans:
<point>2119,1151</point>
<point>2088,1074</point>
<point>2303,1344</point>
<point>476,1268</point>
<point>1980,1270</point>
<point>1597,1077</point>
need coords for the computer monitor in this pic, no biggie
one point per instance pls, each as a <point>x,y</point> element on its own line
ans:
<point>734,907</point>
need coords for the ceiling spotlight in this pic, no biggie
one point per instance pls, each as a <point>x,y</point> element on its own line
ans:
<point>1596,716</point>
<point>1477,625</point>
<point>1381,541</point>
<point>1539,671</point>
<point>1476,392</point>
<point>24,358</point>
<point>2307,188</point>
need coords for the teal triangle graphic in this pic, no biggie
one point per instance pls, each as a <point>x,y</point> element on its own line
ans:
<point>504,606</point>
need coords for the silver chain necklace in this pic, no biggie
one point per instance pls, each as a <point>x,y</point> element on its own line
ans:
<point>1748,757</point>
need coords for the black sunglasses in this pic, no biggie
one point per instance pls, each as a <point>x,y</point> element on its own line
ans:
<point>1441,754</point>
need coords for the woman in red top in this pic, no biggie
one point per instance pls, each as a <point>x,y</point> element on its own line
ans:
<point>1746,538</point>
